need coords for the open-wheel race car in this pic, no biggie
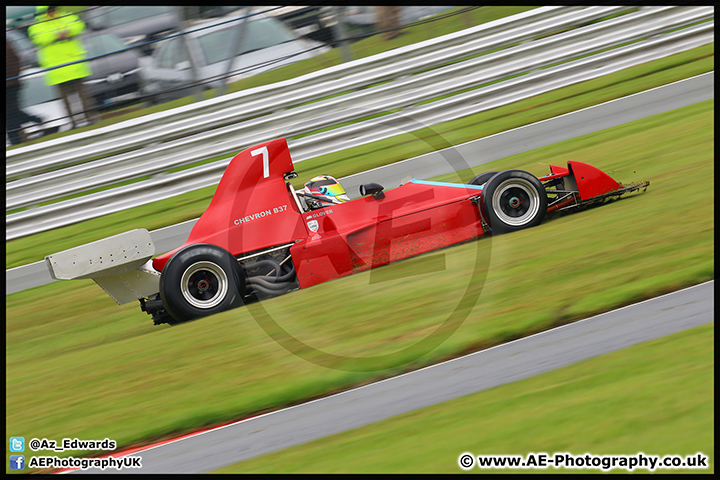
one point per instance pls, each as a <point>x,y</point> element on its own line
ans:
<point>260,237</point>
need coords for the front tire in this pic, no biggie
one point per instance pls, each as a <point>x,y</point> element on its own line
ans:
<point>514,200</point>
<point>201,280</point>
<point>483,178</point>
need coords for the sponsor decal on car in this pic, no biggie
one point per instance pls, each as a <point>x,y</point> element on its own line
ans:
<point>261,214</point>
<point>313,225</point>
<point>319,214</point>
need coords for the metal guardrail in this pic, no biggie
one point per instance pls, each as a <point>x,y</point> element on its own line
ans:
<point>298,120</point>
<point>398,94</point>
<point>205,116</point>
<point>477,71</point>
<point>126,132</point>
<point>501,93</point>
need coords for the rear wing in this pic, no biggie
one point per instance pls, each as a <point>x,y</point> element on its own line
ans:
<point>119,264</point>
<point>252,208</point>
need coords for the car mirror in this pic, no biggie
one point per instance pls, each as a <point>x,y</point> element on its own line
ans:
<point>374,189</point>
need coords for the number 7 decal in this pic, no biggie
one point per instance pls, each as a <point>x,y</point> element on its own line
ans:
<point>266,162</point>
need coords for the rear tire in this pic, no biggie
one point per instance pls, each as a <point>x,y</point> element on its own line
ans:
<point>201,280</point>
<point>514,200</point>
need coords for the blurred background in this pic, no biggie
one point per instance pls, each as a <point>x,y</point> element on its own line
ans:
<point>143,56</point>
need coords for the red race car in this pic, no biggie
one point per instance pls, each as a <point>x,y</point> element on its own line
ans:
<point>260,237</point>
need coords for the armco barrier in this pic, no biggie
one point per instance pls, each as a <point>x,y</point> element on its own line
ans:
<point>406,93</point>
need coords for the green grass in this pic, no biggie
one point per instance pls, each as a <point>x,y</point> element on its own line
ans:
<point>655,397</point>
<point>79,365</point>
<point>357,159</point>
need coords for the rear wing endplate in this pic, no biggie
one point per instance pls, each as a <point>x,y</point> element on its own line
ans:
<point>119,264</point>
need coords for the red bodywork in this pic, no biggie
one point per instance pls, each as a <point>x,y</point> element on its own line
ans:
<point>590,181</point>
<point>366,232</point>
<point>253,210</point>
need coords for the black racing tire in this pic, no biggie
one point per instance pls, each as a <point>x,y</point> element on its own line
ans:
<point>514,200</point>
<point>483,178</point>
<point>201,280</point>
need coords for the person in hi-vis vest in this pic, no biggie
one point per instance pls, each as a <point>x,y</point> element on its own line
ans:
<point>56,33</point>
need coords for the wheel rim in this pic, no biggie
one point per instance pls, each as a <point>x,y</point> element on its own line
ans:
<point>516,202</point>
<point>204,285</point>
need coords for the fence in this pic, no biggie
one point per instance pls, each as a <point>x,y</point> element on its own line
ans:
<point>448,64</point>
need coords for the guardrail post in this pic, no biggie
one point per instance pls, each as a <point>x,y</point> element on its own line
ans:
<point>184,14</point>
<point>236,44</point>
<point>341,33</point>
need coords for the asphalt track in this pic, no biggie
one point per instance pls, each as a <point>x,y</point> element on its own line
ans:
<point>549,350</point>
<point>470,154</point>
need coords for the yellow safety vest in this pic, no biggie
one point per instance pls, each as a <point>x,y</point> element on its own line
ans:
<point>52,51</point>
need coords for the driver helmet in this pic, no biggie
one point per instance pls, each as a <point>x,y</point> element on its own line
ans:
<point>326,187</point>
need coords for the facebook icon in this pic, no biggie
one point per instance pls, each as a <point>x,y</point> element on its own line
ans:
<point>17,462</point>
